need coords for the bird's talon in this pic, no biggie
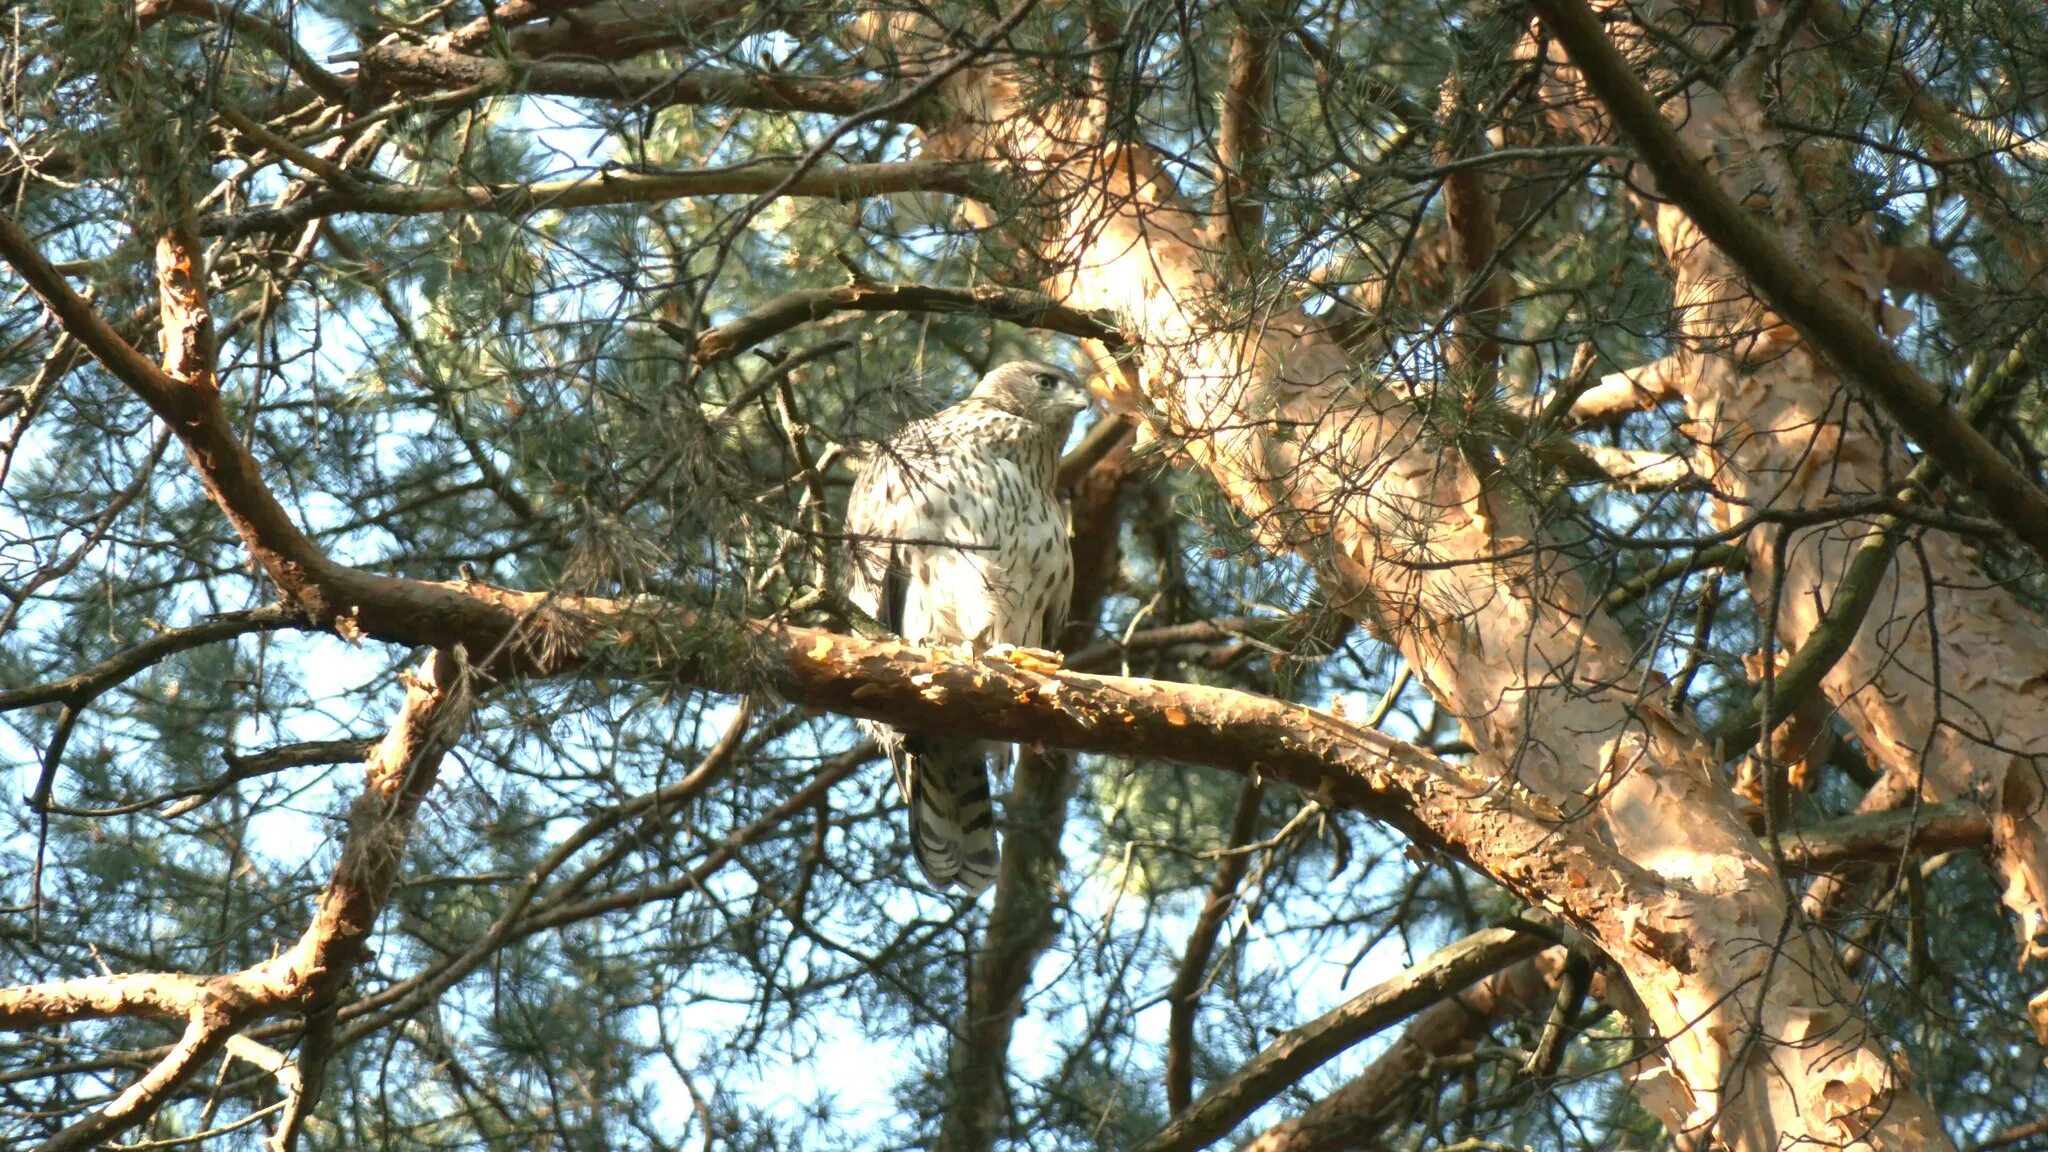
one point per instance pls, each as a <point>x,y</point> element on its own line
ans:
<point>1029,659</point>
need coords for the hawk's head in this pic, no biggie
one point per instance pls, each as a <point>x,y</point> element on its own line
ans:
<point>1034,390</point>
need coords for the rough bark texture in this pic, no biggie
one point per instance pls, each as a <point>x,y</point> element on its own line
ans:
<point>1764,1040</point>
<point>1587,796</point>
<point>1946,682</point>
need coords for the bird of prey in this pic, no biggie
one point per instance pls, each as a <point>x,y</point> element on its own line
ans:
<point>958,538</point>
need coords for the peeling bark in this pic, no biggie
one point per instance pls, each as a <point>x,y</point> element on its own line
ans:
<point>1407,537</point>
<point>1946,682</point>
<point>1810,305</point>
<point>1588,797</point>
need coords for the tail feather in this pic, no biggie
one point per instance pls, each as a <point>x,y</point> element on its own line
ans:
<point>952,818</point>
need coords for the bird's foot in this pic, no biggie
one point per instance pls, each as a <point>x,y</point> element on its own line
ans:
<point>961,653</point>
<point>1029,659</point>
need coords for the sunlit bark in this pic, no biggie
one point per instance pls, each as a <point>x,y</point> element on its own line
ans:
<point>1764,1043</point>
<point>1946,682</point>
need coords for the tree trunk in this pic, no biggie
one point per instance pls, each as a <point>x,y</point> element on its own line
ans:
<point>1764,1040</point>
<point>1948,689</point>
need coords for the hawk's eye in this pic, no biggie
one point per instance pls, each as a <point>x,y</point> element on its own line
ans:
<point>1048,381</point>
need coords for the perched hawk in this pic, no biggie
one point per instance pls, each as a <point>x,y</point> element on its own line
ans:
<point>957,536</point>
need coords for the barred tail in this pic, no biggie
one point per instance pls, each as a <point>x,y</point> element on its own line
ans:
<point>952,819</point>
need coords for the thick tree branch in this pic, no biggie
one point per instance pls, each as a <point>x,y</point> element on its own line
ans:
<point>1352,1115</point>
<point>1473,354</point>
<point>1110,436</point>
<point>533,29</point>
<point>1241,127</point>
<point>1881,837</point>
<point>906,686</point>
<point>1539,853</point>
<point>505,18</point>
<point>1304,1049</point>
<point>1618,395</point>
<point>1827,323</point>
<point>1406,535</point>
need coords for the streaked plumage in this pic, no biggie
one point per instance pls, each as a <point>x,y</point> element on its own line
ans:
<point>958,536</point>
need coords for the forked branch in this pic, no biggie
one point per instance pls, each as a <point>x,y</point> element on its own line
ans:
<point>1827,322</point>
<point>311,975</point>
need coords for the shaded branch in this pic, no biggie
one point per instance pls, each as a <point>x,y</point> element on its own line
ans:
<point>1617,395</point>
<point>1353,1114</point>
<point>1017,306</point>
<point>503,18</point>
<point>83,687</point>
<point>414,68</point>
<point>1241,129</point>
<point>1302,1050</point>
<point>1785,691</point>
<point>1108,435</point>
<point>614,31</point>
<point>1183,997</point>
<point>1103,654</point>
<point>1887,836</point>
<point>1643,583</point>
<point>332,88</point>
<point>845,182</point>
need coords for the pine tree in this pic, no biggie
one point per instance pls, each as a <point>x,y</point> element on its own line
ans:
<point>1558,652</point>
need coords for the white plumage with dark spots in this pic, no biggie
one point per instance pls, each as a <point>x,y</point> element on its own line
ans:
<point>958,537</point>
